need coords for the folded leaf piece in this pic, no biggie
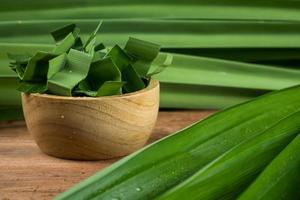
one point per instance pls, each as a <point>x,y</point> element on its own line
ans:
<point>32,71</point>
<point>37,67</point>
<point>61,33</point>
<point>120,57</point>
<point>110,88</point>
<point>32,87</point>
<point>75,70</point>
<point>143,53</point>
<point>129,75</point>
<point>56,64</point>
<point>90,43</point>
<point>65,45</point>
<point>102,71</point>
<point>103,74</point>
<point>132,79</point>
<point>160,63</point>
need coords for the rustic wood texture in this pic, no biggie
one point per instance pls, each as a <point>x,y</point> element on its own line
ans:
<point>27,173</point>
<point>85,128</point>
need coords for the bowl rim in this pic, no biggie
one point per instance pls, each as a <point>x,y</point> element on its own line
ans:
<point>152,85</point>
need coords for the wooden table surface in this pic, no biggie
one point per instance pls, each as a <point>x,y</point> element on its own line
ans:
<point>27,173</point>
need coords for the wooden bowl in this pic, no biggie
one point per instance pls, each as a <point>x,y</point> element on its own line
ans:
<point>87,128</point>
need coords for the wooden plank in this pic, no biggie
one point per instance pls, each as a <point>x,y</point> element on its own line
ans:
<point>27,173</point>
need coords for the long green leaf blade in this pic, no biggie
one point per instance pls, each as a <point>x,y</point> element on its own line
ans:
<point>280,179</point>
<point>158,167</point>
<point>167,33</point>
<point>76,69</point>
<point>168,9</point>
<point>228,174</point>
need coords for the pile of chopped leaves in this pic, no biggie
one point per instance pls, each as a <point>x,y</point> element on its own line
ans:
<point>78,68</point>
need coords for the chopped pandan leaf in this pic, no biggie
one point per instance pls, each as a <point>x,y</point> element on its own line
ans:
<point>103,76</point>
<point>123,61</point>
<point>90,47</point>
<point>37,67</point>
<point>19,58</point>
<point>65,45</point>
<point>31,87</point>
<point>98,55</point>
<point>78,92</point>
<point>90,43</point>
<point>159,64</point>
<point>67,37</point>
<point>19,63</point>
<point>144,53</point>
<point>99,47</point>
<point>119,57</point>
<point>102,71</point>
<point>142,49</point>
<point>142,67</point>
<point>78,45</point>
<point>20,69</point>
<point>109,88</point>
<point>75,70</point>
<point>133,81</point>
<point>56,64</point>
<point>100,52</point>
<point>61,33</point>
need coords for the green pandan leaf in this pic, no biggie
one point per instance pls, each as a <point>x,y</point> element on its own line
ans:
<point>142,49</point>
<point>202,151</point>
<point>142,67</point>
<point>100,72</point>
<point>37,67</point>
<point>110,88</point>
<point>56,64</point>
<point>90,43</point>
<point>159,64</point>
<point>280,179</point>
<point>75,70</point>
<point>19,69</point>
<point>144,53</point>
<point>31,87</point>
<point>61,33</point>
<point>90,47</point>
<point>67,37</point>
<point>99,47</point>
<point>19,58</point>
<point>123,61</point>
<point>106,89</point>
<point>119,57</point>
<point>133,81</point>
<point>98,55</point>
<point>65,45</point>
